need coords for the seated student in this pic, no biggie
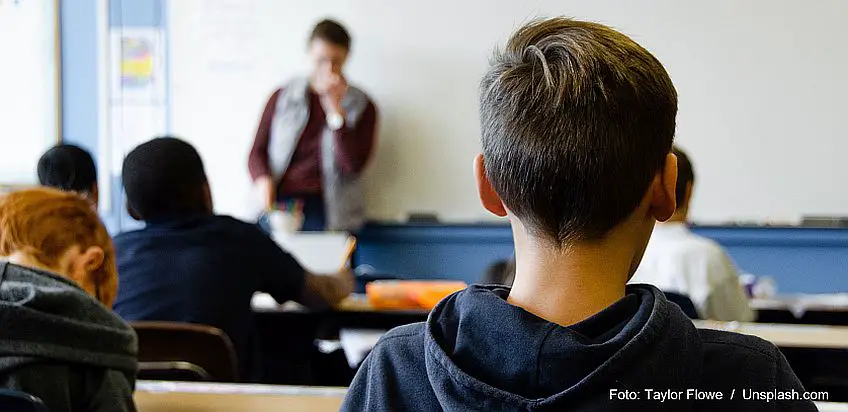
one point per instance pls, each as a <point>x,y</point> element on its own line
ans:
<point>577,126</point>
<point>69,168</point>
<point>59,341</point>
<point>677,260</point>
<point>189,265</point>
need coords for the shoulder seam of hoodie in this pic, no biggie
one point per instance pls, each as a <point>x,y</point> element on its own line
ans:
<point>769,355</point>
<point>392,336</point>
<point>405,335</point>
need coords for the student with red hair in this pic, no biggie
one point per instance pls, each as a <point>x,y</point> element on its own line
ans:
<point>60,341</point>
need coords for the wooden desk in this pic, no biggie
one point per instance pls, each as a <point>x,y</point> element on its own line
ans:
<point>201,397</point>
<point>818,354</point>
<point>829,309</point>
<point>285,336</point>
<point>813,351</point>
<point>354,312</point>
<point>356,302</point>
<point>832,407</point>
<point>153,396</point>
<point>834,302</point>
<point>787,336</point>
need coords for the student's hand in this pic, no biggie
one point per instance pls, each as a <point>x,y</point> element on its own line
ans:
<point>322,291</point>
<point>346,282</point>
<point>267,191</point>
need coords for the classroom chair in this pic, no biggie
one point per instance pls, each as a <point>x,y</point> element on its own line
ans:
<point>11,400</point>
<point>184,352</point>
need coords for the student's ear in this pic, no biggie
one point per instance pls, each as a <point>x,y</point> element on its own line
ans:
<point>84,266</point>
<point>488,196</point>
<point>92,258</point>
<point>130,211</point>
<point>663,201</point>
<point>207,198</point>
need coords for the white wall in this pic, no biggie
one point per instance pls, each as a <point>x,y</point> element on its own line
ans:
<point>762,87</point>
<point>29,90</point>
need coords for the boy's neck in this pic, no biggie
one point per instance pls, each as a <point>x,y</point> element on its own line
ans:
<point>568,285</point>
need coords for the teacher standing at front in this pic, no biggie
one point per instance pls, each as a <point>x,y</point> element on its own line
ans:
<point>314,139</point>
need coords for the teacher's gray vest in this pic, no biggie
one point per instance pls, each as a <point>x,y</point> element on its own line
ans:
<point>344,202</point>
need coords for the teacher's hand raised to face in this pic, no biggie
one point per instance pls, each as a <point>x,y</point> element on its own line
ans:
<point>332,88</point>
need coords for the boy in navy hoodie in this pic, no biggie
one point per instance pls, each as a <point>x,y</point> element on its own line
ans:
<point>577,127</point>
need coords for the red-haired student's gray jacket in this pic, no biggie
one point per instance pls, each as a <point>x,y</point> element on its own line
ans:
<point>61,345</point>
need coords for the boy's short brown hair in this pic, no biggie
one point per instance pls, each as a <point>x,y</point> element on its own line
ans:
<point>44,223</point>
<point>576,121</point>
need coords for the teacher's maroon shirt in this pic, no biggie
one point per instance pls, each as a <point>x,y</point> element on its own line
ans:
<point>303,176</point>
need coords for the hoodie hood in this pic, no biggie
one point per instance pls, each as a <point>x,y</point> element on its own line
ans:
<point>45,316</point>
<point>481,350</point>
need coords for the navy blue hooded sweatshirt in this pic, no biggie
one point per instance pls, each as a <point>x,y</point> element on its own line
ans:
<point>477,352</point>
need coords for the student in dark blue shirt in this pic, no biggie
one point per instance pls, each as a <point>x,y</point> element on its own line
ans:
<point>190,265</point>
<point>577,125</point>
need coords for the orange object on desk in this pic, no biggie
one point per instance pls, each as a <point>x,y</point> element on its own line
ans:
<point>410,294</point>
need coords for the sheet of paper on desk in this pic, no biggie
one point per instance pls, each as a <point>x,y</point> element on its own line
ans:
<point>357,343</point>
<point>321,252</point>
<point>263,301</point>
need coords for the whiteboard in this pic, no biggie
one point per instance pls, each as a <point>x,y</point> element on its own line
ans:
<point>29,87</point>
<point>762,86</point>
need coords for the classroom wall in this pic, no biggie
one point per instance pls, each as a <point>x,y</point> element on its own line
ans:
<point>800,260</point>
<point>761,85</point>
<point>91,118</point>
<point>81,91</point>
<point>29,89</point>
<point>750,115</point>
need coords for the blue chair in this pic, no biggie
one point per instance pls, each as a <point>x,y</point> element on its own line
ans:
<point>16,401</point>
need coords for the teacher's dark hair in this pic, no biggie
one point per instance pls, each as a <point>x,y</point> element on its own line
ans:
<point>68,167</point>
<point>332,32</point>
<point>164,179</point>
<point>576,121</point>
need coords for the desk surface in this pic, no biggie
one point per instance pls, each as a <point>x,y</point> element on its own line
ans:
<point>152,396</point>
<point>353,303</point>
<point>201,397</point>
<point>791,336</point>
<point>793,303</point>
<point>837,302</point>
<point>798,304</point>
<point>783,335</point>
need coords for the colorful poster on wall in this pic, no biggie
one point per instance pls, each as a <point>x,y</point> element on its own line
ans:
<point>137,65</point>
<point>136,62</point>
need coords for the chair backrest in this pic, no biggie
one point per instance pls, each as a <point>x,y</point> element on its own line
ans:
<point>684,302</point>
<point>185,351</point>
<point>11,400</point>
